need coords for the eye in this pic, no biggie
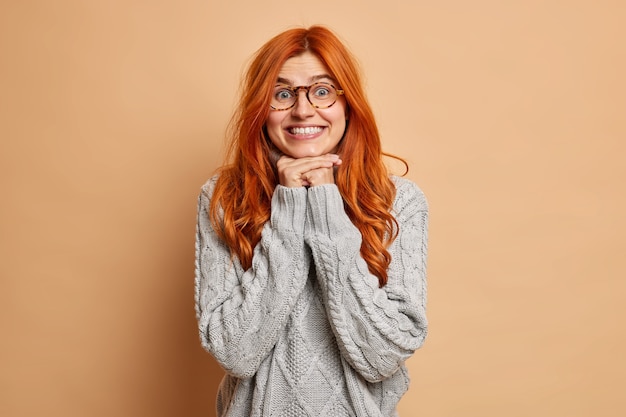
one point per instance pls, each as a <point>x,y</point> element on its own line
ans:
<point>283,94</point>
<point>322,91</point>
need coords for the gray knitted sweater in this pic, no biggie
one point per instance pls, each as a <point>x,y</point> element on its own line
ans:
<point>306,331</point>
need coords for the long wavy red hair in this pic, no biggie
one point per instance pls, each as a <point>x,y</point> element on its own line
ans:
<point>241,200</point>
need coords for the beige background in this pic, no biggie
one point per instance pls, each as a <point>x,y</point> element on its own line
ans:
<point>511,114</point>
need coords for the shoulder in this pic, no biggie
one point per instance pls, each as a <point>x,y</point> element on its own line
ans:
<point>408,194</point>
<point>208,187</point>
<point>206,193</point>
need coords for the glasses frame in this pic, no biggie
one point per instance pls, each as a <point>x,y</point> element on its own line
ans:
<point>307,88</point>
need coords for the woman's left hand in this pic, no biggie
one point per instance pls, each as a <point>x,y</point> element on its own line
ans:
<point>307,172</point>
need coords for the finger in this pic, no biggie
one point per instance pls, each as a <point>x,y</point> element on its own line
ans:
<point>320,176</point>
<point>322,160</point>
<point>291,171</point>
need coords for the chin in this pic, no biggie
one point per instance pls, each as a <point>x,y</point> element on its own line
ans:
<point>310,151</point>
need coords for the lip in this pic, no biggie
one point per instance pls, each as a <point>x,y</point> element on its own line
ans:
<point>312,135</point>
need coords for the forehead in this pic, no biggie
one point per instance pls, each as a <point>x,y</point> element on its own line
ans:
<point>302,69</point>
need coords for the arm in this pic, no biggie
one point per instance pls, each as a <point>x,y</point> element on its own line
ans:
<point>377,329</point>
<point>241,313</point>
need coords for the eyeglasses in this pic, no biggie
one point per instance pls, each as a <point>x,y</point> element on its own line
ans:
<point>320,95</point>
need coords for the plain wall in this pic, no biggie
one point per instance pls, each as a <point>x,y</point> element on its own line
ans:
<point>511,114</point>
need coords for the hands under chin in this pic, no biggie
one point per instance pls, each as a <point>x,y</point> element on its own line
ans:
<point>308,171</point>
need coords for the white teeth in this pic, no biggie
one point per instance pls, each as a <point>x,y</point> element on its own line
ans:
<point>305,130</point>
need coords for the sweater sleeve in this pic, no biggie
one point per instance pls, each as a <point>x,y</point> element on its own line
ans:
<point>241,313</point>
<point>377,329</point>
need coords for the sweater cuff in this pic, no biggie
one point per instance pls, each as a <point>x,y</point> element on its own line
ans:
<point>326,214</point>
<point>288,209</point>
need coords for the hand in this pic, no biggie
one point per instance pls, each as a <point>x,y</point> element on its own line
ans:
<point>307,172</point>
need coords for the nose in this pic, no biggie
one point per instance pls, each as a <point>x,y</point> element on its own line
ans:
<point>303,108</point>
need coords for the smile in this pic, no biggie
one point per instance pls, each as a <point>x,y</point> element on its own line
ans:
<point>309,130</point>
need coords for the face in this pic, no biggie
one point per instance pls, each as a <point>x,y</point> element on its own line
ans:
<point>304,130</point>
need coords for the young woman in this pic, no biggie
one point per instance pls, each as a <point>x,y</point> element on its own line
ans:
<point>310,256</point>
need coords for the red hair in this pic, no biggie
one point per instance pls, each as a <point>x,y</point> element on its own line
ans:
<point>241,200</point>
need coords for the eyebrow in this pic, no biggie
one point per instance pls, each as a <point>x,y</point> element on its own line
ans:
<point>312,80</point>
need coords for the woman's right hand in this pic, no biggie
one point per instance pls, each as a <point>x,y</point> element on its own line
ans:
<point>308,171</point>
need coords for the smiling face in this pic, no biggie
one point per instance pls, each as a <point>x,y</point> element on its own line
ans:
<point>304,130</point>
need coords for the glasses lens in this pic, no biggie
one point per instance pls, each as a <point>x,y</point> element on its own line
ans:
<point>283,97</point>
<point>322,95</point>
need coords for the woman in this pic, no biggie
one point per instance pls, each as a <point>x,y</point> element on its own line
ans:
<point>310,257</point>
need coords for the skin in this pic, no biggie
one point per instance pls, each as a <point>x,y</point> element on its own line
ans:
<point>308,159</point>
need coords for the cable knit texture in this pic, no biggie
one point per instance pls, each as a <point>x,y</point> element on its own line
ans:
<point>306,331</point>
